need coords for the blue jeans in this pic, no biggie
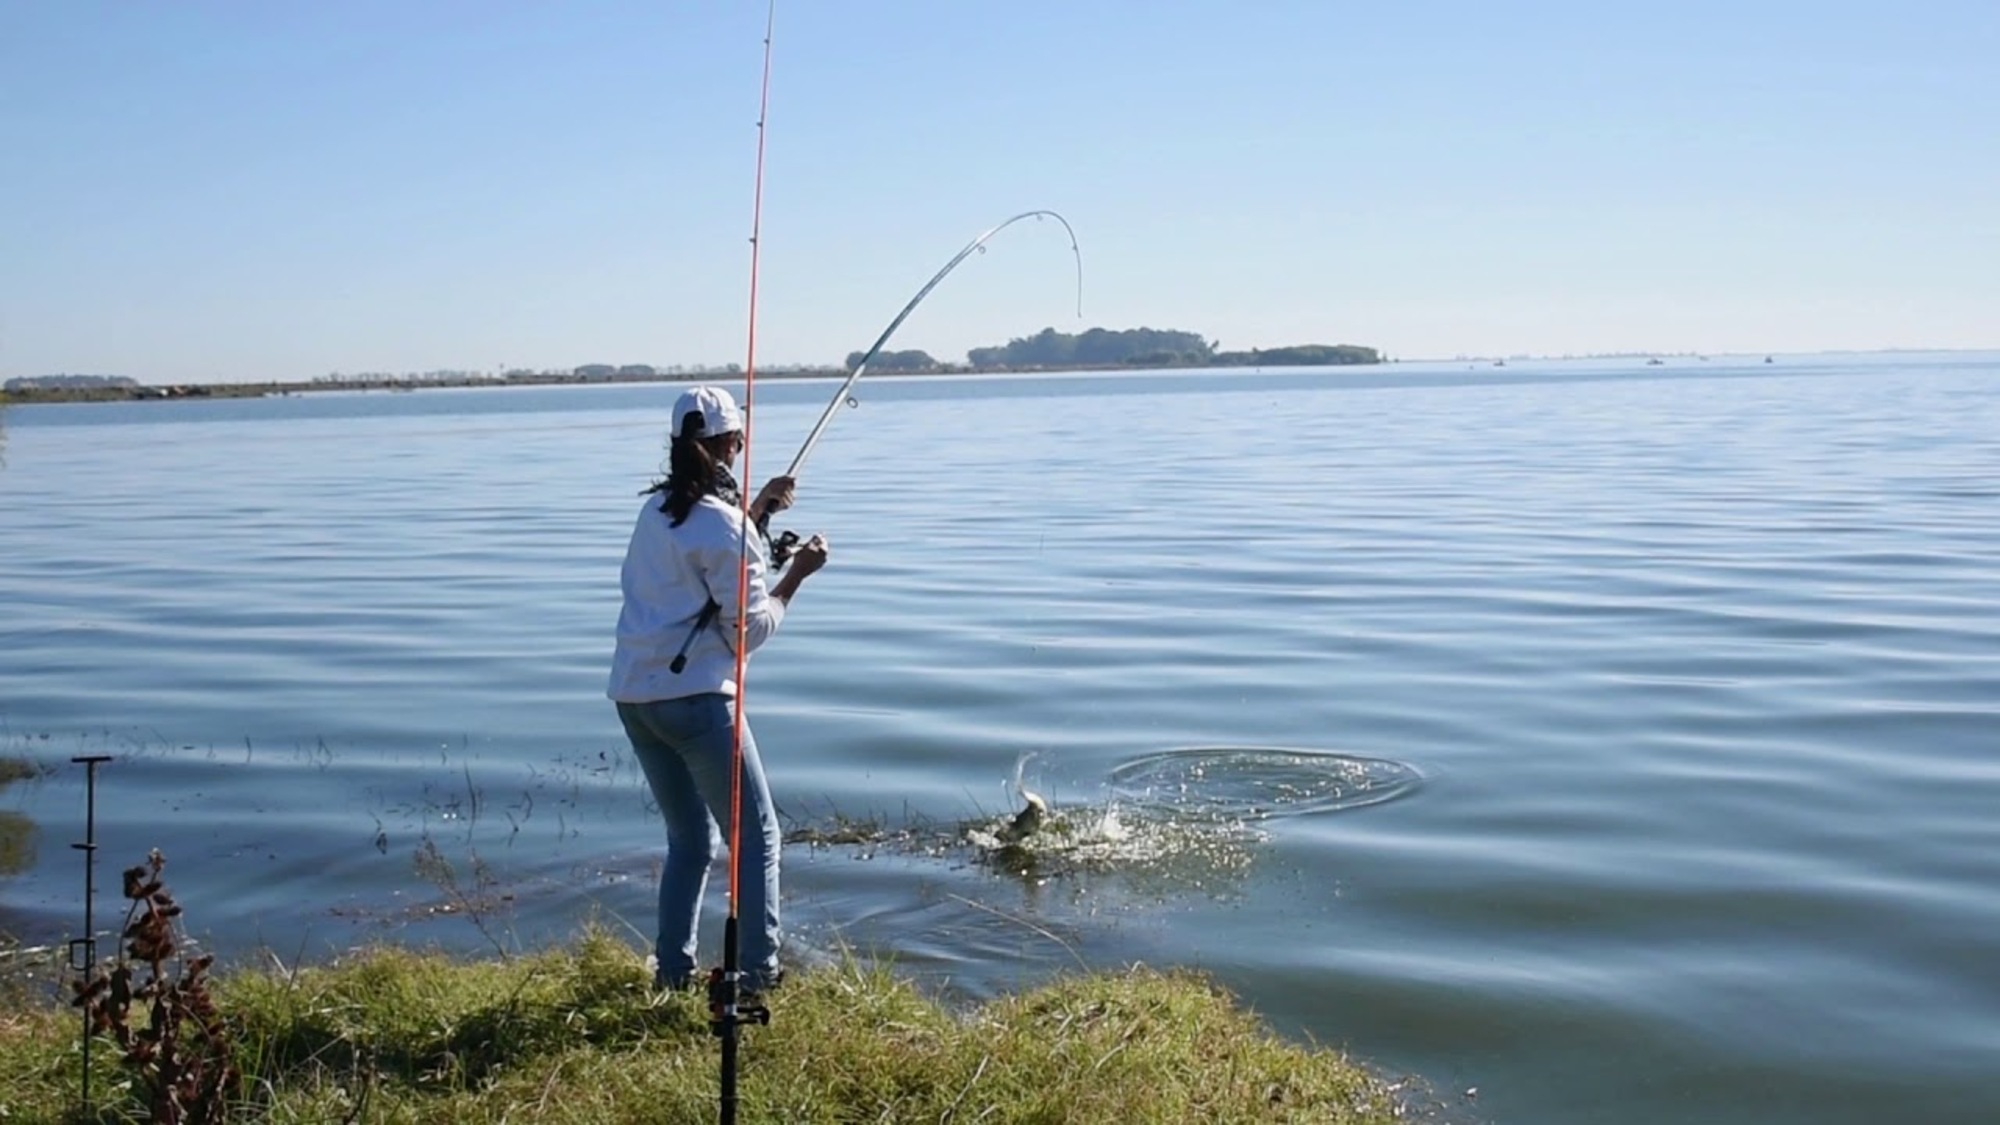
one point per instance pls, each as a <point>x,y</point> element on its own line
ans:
<point>684,746</point>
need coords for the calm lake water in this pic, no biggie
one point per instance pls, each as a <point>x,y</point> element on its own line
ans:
<point>1621,742</point>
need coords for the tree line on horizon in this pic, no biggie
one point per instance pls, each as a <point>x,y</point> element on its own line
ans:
<point>1045,350</point>
<point>1130,347</point>
<point>68,382</point>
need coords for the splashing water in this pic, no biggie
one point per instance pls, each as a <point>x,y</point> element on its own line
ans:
<point>1194,812</point>
<point>1178,818</point>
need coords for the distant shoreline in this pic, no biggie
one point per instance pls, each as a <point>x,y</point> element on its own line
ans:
<point>135,392</point>
<point>145,392</point>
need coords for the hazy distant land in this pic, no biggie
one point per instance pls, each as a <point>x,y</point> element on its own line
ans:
<point>1048,350</point>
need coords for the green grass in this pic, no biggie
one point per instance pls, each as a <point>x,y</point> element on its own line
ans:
<point>575,1035</point>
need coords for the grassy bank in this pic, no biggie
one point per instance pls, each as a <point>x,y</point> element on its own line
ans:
<point>576,1035</point>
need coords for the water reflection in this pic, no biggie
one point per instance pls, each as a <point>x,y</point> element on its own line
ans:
<point>17,832</point>
<point>17,843</point>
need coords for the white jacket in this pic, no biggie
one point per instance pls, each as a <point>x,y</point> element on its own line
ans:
<point>670,574</point>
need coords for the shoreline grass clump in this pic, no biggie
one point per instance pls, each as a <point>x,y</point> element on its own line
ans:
<point>576,1034</point>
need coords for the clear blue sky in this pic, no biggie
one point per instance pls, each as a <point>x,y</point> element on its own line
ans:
<point>199,190</point>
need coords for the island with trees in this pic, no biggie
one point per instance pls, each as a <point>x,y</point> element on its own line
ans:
<point>1150,347</point>
<point>1108,348</point>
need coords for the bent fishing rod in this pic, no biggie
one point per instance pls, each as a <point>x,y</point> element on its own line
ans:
<point>781,547</point>
<point>845,393</point>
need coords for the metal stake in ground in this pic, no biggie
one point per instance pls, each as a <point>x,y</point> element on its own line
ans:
<point>87,944</point>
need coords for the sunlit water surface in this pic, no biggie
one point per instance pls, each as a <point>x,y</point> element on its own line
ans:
<point>1620,742</point>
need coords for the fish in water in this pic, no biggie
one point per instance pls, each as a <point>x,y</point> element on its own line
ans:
<point>1034,813</point>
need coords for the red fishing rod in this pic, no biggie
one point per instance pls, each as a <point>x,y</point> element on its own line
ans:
<point>727,1010</point>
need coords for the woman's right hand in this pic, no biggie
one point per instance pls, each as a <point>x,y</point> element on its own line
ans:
<point>806,560</point>
<point>809,556</point>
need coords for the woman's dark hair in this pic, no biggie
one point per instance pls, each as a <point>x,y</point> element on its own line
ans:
<point>693,471</point>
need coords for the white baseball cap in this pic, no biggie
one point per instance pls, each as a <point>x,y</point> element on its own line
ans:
<point>716,410</point>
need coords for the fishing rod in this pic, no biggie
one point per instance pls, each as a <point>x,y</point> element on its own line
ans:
<point>728,1008</point>
<point>845,393</point>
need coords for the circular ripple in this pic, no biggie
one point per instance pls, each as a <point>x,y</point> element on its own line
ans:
<point>1251,784</point>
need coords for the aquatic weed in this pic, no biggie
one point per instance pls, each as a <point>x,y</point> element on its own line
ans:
<point>181,1057</point>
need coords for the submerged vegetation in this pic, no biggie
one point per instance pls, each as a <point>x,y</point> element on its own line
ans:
<point>17,832</point>
<point>578,1035</point>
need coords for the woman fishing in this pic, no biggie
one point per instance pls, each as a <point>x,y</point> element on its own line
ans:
<point>673,674</point>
